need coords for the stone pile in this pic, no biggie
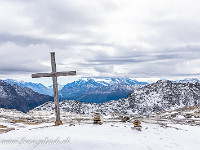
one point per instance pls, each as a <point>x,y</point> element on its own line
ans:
<point>97,118</point>
<point>137,125</point>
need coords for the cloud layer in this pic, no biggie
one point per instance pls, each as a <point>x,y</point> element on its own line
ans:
<point>117,38</point>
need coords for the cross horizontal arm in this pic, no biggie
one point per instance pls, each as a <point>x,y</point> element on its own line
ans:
<point>68,73</point>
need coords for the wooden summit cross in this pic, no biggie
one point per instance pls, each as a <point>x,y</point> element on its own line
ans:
<point>54,76</point>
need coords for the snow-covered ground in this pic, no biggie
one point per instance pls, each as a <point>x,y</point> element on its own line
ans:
<point>35,130</point>
<point>109,136</point>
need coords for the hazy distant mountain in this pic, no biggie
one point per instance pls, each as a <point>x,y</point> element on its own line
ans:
<point>20,98</point>
<point>51,88</point>
<point>190,80</point>
<point>37,87</point>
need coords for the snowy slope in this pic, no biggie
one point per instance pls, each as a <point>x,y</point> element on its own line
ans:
<point>120,106</point>
<point>164,95</point>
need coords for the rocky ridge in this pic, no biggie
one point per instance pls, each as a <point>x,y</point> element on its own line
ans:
<point>20,98</point>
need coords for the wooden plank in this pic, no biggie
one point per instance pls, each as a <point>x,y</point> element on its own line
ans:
<point>56,100</point>
<point>39,75</point>
<point>55,87</point>
<point>53,62</point>
<point>65,73</point>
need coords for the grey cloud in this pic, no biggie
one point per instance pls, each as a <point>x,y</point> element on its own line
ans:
<point>59,17</point>
<point>136,59</point>
<point>62,17</point>
<point>149,65</point>
<point>25,40</point>
<point>173,41</point>
<point>22,68</point>
<point>174,32</point>
<point>19,39</point>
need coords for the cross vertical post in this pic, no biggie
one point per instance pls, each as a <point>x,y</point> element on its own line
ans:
<point>55,89</point>
<point>54,76</point>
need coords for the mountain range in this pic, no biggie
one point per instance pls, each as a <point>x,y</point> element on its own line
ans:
<point>98,90</point>
<point>24,96</point>
<point>115,95</point>
<point>93,90</point>
<point>152,98</point>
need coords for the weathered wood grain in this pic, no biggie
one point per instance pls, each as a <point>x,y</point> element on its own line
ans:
<point>39,75</point>
<point>55,87</point>
<point>65,73</point>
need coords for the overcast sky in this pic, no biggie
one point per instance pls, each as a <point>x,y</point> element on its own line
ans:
<point>142,39</point>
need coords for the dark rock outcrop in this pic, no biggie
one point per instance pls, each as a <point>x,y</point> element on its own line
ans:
<point>20,98</point>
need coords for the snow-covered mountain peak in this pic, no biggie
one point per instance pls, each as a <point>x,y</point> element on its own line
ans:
<point>190,80</point>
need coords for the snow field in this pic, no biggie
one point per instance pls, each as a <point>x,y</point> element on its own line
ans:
<point>109,136</point>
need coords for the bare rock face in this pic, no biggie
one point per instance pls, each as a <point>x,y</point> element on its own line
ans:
<point>20,98</point>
